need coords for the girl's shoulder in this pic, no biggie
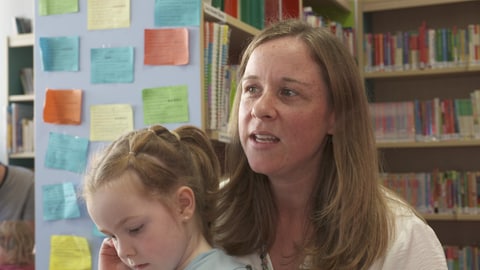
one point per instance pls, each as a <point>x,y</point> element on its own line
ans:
<point>216,259</point>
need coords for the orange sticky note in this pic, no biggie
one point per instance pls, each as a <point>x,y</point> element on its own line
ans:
<point>166,46</point>
<point>63,106</point>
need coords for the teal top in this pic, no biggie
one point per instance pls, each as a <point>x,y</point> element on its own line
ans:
<point>216,259</point>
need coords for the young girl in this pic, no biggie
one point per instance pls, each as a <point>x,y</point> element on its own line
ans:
<point>152,192</point>
<point>16,246</point>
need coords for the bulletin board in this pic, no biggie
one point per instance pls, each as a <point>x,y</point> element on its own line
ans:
<point>102,68</point>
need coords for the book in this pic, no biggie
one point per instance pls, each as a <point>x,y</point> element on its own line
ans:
<point>20,112</point>
<point>26,78</point>
<point>22,25</point>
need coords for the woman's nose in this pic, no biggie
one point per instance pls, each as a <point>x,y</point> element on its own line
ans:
<point>264,107</point>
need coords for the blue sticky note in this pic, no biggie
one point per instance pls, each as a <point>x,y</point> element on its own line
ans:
<point>60,53</point>
<point>111,65</point>
<point>60,202</point>
<point>177,13</point>
<point>66,152</point>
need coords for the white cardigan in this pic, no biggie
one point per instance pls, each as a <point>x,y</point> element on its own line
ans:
<point>415,247</point>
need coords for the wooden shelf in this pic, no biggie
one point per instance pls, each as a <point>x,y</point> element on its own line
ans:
<point>22,40</point>
<point>21,98</point>
<point>449,143</point>
<point>22,155</point>
<point>241,32</point>
<point>379,5</point>
<point>451,217</point>
<point>342,5</point>
<point>423,73</point>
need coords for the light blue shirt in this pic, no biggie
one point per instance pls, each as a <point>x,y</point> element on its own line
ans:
<point>216,259</point>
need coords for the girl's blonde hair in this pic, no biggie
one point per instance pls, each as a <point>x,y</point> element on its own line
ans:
<point>163,160</point>
<point>17,240</point>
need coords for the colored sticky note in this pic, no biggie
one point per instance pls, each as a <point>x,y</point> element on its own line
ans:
<point>177,13</point>
<point>51,7</point>
<point>165,105</point>
<point>166,46</point>
<point>107,122</point>
<point>111,65</point>
<point>60,53</point>
<point>59,202</point>
<point>66,152</point>
<point>63,106</point>
<point>108,14</point>
<point>69,252</point>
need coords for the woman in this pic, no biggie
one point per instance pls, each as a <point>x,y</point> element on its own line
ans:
<point>304,189</point>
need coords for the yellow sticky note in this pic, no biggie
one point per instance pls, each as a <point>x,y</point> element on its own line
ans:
<point>69,252</point>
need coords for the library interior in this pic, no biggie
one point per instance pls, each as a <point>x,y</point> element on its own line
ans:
<point>64,84</point>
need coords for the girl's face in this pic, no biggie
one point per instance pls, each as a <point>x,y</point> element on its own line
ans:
<point>145,232</point>
<point>284,114</point>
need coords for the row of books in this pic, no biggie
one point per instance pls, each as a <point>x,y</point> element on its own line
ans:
<point>251,12</point>
<point>20,128</point>
<point>448,192</point>
<point>422,48</point>
<point>427,120</point>
<point>258,13</point>
<point>217,39</point>
<point>345,34</point>
<point>462,257</point>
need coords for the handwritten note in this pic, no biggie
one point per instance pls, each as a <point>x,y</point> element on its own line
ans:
<point>51,7</point>
<point>59,53</point>
<point>66,152</point>
<point>60,202</point>
<point>165,105</point>
<point>63,106</point>
<point>166,46</point>
<point>177,13</point>
<point>69,252</point>
<point>106,14</point>
<point>111,65</point>
<point>107,122</point>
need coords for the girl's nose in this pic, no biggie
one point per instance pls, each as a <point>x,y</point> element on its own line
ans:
<point>124,250</point>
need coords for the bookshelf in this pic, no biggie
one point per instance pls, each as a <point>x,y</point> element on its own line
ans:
<point>449,82</point>
<point>18,55</point>
<point>241,33</point>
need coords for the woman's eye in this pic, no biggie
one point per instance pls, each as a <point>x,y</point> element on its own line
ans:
<point>288,92</point>
<point>251,89</point>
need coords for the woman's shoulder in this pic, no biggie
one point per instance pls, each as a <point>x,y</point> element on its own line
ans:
<point>414,243</point>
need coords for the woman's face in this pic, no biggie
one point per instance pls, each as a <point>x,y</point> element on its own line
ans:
<point>284,113</point>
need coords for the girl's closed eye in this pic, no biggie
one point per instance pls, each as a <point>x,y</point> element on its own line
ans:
<point>136,229</point>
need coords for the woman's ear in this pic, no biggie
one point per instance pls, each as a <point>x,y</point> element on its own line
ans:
<point>186,202</point>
